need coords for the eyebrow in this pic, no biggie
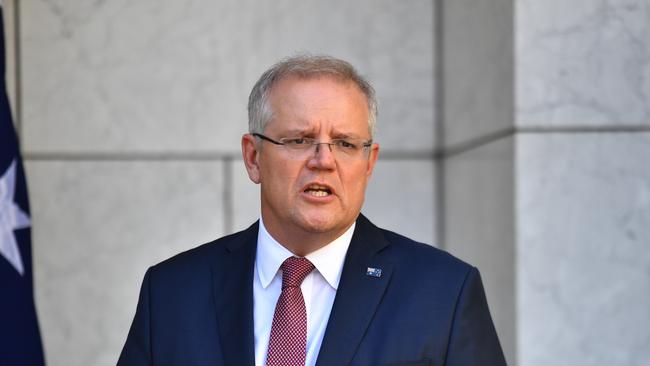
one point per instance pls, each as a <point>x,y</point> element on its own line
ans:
<point>299,131</point>
<point>311,131</point>
<point>344,135</point>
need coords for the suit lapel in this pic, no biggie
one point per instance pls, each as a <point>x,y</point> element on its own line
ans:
<point>358,295</point>
<point>233,297</point>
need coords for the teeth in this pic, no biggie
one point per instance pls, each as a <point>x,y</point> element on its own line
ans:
<point>318,190</point>
<point>318,193</point>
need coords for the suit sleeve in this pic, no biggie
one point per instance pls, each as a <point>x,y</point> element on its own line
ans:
<point>137,349</point>
<point>473,339</point>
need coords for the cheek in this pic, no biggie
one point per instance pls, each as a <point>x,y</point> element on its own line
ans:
<point>355,186</point>
<point>281,180</point>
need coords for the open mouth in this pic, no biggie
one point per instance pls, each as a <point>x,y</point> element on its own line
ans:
<point>318,190</point>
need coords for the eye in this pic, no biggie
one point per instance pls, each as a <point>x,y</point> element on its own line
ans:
<point>345,144</point>
<point>295,141</point>
<point>298,142</point>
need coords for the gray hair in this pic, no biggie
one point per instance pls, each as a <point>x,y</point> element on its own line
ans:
<point>304,67</point>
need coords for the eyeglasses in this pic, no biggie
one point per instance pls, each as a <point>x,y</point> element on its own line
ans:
<point>302,147</point>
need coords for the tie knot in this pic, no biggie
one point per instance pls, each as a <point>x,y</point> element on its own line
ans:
<point>294,271</point>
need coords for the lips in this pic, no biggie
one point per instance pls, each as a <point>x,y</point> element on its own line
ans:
<point>318,190</point>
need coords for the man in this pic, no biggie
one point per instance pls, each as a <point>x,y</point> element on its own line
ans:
<point>313,282</point>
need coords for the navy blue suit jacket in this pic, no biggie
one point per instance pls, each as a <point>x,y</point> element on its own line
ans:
<point>426,308</point>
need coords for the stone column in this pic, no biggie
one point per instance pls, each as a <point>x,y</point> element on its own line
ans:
<point>583,182</point>
<point>546,175</point>
<point>475,48</point>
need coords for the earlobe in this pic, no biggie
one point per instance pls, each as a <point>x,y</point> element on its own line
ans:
<point>250,156</point>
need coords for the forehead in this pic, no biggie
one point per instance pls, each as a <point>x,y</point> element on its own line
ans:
<point>318,102</point>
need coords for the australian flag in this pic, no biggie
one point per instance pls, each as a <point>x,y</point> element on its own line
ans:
<point>20,340</point>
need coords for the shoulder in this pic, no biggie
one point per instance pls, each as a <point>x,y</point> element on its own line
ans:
<point>420,255</point>
<point>437,277</point>
<point>199,259</point>
<point>415,261</point>
<point>404,249</point>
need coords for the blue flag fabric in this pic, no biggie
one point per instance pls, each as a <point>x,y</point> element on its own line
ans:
<point>20,340</point>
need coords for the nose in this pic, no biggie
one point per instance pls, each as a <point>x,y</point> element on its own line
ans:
<point>323,157</point>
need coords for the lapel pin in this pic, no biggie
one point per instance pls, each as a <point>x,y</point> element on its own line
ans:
<point>373,272</point>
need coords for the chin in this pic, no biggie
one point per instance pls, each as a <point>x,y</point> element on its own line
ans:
<point>324,222</point>
<point>318,227</point>
<point>318,223</point>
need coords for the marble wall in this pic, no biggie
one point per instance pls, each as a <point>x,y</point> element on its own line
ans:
<point>132,113</point>
<point>476,56</point>
<point>583,182</point>
<point>479,225</point>
<point>583,65</point>
<point>97,226</point>
<point>546,183</point>
<point>477,178</point>
<point>583,232</point>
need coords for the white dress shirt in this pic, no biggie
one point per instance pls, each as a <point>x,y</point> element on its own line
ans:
<point>318,289</point>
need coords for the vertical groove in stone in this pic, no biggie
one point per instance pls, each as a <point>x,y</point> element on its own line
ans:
<point>439,194</point>
<point>228,210</point>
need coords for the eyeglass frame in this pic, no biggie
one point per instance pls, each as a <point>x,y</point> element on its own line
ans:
<point>364,146</point>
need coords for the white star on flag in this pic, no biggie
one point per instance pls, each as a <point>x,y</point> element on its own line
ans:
<point>12,217</point>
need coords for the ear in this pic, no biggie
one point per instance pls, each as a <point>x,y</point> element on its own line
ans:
<point>250,154</point>
<point>372,159</point>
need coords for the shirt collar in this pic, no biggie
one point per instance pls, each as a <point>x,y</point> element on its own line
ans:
<point>328,260</point>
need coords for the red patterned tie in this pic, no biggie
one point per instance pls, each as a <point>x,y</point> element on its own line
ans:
<point>288,343</point>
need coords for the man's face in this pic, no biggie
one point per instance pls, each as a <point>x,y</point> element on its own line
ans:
<point>319,193</point>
